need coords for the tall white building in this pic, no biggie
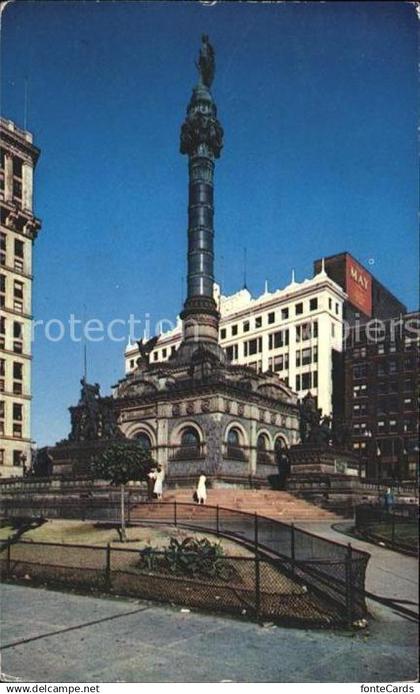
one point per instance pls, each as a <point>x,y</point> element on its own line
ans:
<point>18,231</point>
<point>293,331</point>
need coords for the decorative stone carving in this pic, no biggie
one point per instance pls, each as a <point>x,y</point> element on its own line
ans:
<point>176,410</point>
<point>227,406</point>
<point>205,405</point>
<point>200,129</point>
<point>241,409</point>
<point>190,408</point>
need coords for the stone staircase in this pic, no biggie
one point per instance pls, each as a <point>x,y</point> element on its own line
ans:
<point>280,506</point>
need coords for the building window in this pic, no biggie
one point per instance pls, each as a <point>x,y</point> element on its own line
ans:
<point>258,322</point>
<point>17,370</point>
<point>392,366</point>
<point>131,363</point>
<point>18,289</point>
<point>284,313</point>
<point>164,353</point>
<point>2,332</point>
<point>392,347</point>
<point>381,349</point>
<point>17,337</point>
<point>278,339</point>
<point>143,441</point>
<point>232,352</point>
<point>223,333</point>
<point>245,326</point>
<point>2,249</point>
<point>315,379</point>
<point>330,304</point>
<point>306,380</point>
<point>2,290</point>
<point>252,347</point>
<point>234,330</point>
<point>271,318</point>
<point>313,304</point>
<point>298,382</point>
<point>19,249</point>
<point>17,458</point>
<point>155,356</point>
<point>305,331</point>
<point>337,309</point>
<point>17,412</point>
<point>17,430</point>
<point>393,427</point>
<point>360,371</point>
<point>280,362</point>
<point>360,390</point>
<point>173,349</point>
<point>381,370</point>
<point>299,308</point>
<point>1,456</point>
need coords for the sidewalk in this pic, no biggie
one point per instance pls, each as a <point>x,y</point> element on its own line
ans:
<point>389,574</point>
<point>50,636</point>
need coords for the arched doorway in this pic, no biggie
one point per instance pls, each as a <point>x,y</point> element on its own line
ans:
<point>263,449</point>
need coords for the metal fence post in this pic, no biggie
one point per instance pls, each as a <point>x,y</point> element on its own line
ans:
<point>393,530</point>
<point>217,521</point>
<point>257,570</point>
<point>128,506</point>
<point>175,514</point>
<point>257,587</point>
<point>349,587</point>
<point>9,544</point>
<point>292,547</point>
<point>108,567</point>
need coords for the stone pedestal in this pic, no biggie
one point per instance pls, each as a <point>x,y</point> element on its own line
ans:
<point>74,459</point>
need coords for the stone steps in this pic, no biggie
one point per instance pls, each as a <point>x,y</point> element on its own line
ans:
<point>272,504</point>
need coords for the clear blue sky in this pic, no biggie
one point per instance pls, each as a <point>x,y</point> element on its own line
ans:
<point>318,103</point>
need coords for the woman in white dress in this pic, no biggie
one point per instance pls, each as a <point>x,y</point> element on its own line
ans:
<point>201,489</point>
<point>159,476</point>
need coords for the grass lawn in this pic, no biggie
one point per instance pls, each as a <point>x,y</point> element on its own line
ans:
<point>86,532</point>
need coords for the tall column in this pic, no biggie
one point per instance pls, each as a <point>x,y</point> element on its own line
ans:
<point>201,140</point>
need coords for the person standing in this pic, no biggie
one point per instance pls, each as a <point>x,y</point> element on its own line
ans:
<point>159,476</point>
<point>201,489</point>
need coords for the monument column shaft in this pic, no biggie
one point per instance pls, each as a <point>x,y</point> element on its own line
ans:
<point>200,228</point>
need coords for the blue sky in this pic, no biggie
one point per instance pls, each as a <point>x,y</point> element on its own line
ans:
<point>318,103</point>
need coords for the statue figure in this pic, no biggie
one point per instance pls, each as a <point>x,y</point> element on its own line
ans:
<point>206,63</point>
<point>145,349</point>
<point>309,418</point>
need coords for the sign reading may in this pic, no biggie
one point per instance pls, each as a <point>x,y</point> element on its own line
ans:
<point>359,286</point>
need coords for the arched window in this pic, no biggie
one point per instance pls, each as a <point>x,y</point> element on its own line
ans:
<point>234,448</point>
<point>233,438</point>
<point>262,442</point>
<point>189,437</point>
<point>144,441</point>
<point>263,455</point>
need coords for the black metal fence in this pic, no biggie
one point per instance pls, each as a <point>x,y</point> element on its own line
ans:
<point>331,575</point>
<point>396,526</point>
<point>254,587</point>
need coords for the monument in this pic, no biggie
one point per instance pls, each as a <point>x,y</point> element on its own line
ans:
<point>195,411</point>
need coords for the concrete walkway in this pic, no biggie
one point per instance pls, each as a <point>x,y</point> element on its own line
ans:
<point>389,574</point>
<point>50,636</point>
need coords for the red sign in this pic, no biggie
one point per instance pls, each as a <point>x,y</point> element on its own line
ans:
<point>359,286</point>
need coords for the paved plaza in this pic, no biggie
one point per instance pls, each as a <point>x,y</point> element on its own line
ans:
<point>51,636</point>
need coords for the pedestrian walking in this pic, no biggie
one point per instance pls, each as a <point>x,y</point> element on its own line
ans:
<point>201,490</point>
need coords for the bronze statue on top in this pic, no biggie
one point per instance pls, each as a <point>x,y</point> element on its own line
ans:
<point>206,63</point>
